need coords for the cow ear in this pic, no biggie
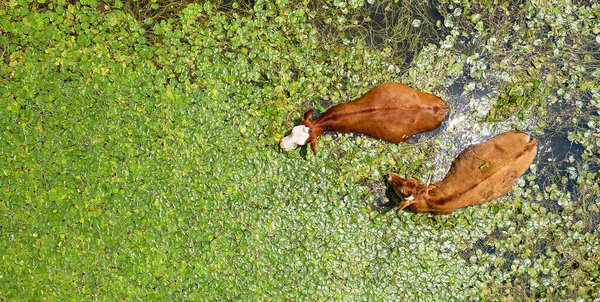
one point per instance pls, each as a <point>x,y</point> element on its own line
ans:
<point>406,202</point>
<point>308,113</point>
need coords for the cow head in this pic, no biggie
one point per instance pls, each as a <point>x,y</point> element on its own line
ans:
<point>409,190</point>
<point>301,135</point>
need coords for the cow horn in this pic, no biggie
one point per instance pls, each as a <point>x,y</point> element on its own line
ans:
<point>429,179</point>
<point>427,183</point>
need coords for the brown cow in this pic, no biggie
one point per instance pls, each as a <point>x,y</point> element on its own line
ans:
<point>480,173</point>
<point>392,112</point>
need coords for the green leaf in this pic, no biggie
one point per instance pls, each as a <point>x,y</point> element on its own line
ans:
<point>485,165</point>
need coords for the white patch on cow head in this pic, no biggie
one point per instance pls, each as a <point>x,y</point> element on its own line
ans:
<point>297,138</point>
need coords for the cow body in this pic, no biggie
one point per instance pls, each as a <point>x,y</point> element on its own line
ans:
<point>392,112</point>
<point>481,173</point>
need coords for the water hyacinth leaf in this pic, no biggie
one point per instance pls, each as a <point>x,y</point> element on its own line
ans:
<point>146,141</point>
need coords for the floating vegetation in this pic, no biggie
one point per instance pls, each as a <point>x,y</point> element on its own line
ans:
<point>140,161</point>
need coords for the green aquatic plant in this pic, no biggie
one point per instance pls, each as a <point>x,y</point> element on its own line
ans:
<point>140,157</point>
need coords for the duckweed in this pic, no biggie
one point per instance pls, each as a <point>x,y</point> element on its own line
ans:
<point>140,156</point>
